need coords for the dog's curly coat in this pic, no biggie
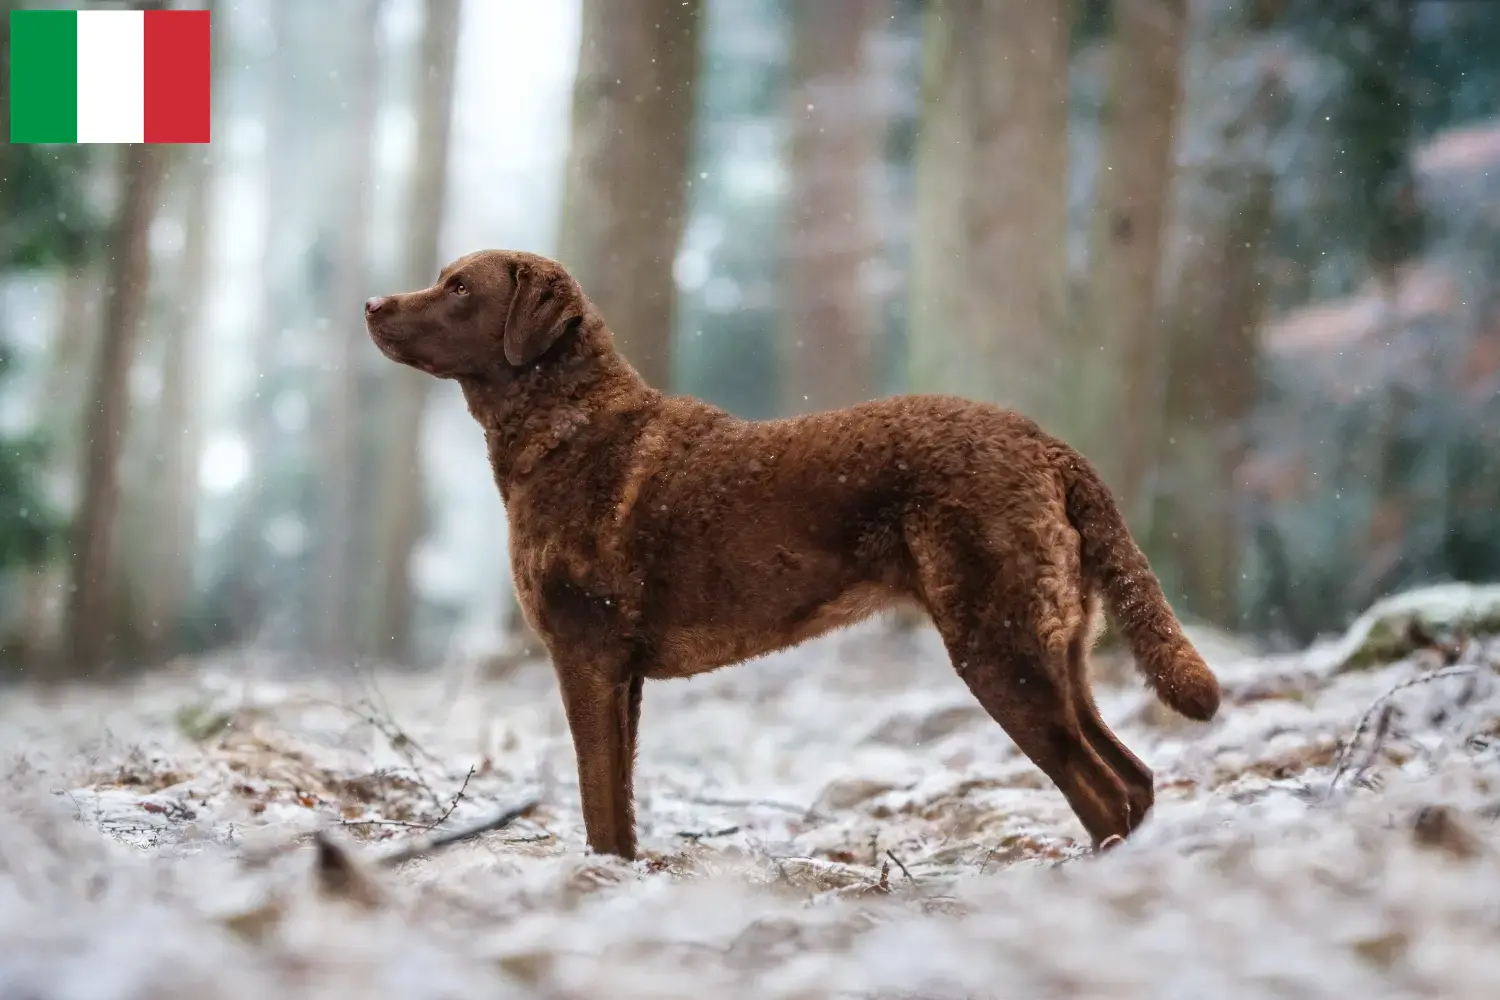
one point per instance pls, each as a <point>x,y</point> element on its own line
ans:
<point>656,536</point>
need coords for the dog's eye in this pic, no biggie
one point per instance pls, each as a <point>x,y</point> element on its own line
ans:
<point>459,288</point>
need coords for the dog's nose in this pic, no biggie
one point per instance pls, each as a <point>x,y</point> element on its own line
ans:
<point>373,305</point>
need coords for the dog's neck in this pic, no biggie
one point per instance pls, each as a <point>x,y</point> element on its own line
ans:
<point>529,412</point>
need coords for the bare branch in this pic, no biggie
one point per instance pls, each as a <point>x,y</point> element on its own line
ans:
<point>456,800</point>
<point>892,855</point>
<point>422,846</point>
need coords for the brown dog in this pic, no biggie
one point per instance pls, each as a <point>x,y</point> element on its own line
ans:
<point>658,536</point>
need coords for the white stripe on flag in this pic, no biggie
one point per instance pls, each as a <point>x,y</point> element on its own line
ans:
<point>111,76</point>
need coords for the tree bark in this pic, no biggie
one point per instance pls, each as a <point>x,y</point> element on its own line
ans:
<point>989,252</point>
<point>348,340</point>
<point>88,626</point>
<point>400,475</point>
<point>174,515</point>
<point>829,317</point>
<point>1216,302</point>
<point>46,586</point>
<point>1212,379</point>
<point>1121,342</point>
<point>625,191</point>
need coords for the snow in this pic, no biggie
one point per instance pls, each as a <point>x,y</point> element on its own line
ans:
<point>837,820</point>
<point>1381,631</point>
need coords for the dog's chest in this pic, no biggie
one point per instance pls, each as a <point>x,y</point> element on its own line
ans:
<point>566,582</point>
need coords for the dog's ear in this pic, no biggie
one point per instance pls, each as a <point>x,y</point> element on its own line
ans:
<point>541,307</point>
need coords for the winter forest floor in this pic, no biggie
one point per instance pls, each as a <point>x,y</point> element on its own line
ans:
<point>837,821</point>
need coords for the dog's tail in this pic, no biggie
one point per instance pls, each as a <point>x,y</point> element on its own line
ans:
<point>1114,564</point>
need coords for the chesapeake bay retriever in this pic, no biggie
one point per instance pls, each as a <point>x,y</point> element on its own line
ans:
<point>657,536</point>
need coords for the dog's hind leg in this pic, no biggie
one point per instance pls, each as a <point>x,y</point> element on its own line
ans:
<point>1139,782</point>
<point>1000,627</point>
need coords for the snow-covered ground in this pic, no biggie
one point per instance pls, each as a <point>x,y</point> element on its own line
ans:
<point>837,821</point>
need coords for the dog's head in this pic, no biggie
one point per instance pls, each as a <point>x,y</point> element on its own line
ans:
<point>487,309</point>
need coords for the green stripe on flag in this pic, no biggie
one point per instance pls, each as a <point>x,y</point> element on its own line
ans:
<point>43,76</point>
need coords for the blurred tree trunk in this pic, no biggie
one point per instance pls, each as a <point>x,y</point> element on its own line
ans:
<point>625,191</point>
<point>77,325</point>
<point>87,628</point>
<point>400,474</point>
<point>989,251</point>
<point>1120,339</point>
<point>829,318</point>
<point>1212,380</point>
<point>167,577</point>
<point>1212,368</point>
<point>348,340</point>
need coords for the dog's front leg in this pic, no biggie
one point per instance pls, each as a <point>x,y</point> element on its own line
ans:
<point>599,706</point>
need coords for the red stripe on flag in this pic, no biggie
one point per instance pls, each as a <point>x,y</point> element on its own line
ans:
<point>177,76</point>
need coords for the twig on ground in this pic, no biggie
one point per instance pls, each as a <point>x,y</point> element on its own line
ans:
<point>1376,742</point>
<point>892,855</point>
<point>530,839</point>
<point>404,824</point>
<point>1376,706</point>
<point>456,800</point>
<point>421,846</point>
<point>705,834</point>
<point>447,812</point>
<point>806,812</point>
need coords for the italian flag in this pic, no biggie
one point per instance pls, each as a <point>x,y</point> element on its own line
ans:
<point>109,76</point>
